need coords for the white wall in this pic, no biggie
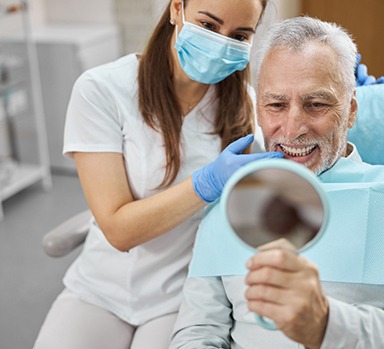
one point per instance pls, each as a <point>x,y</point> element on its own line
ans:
<point>136,18</point>
<point>42,12</point>
<point>279,9</point>
<point>136,21</point>
<point>276,10</point>
<point>84,11</point>
<point>37,10</point>
<point>136,14</point>
<point>287,8</point>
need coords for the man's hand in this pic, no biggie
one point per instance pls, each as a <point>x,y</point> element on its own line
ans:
<point>285,288</point>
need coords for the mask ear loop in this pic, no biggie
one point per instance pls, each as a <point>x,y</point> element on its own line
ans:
<point>182,11</point>
<point>182,18</point>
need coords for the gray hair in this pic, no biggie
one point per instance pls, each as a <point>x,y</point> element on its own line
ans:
<point>294,33</point>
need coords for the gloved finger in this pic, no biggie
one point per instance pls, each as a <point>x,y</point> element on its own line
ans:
<point>358,58</point>
<point>370,80</point>
<point>241,144</point>
<point>269,155</point>
<point>361,73</point>
<point>380,80</point>
<point>246,158</point>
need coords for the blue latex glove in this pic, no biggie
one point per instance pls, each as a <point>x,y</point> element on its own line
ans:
<point>362,77</point>
<point>209,181</point>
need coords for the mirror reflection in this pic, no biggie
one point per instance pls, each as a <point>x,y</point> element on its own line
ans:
<point>273,203</point>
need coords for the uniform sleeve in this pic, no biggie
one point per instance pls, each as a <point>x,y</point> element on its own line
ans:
<point>92,123</point>
<point>354,326</point>
<point>204,319</point>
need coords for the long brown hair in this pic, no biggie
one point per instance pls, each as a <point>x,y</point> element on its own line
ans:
<point>162,111</point>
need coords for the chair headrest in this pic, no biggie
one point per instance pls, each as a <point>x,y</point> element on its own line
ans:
<point>368,132</point>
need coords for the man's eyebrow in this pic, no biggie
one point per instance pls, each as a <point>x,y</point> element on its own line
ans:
<point>319,94</point>
<point>221,22</point>
<point>268,96</point>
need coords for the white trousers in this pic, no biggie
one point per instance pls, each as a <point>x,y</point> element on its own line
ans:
<point>73,323</point>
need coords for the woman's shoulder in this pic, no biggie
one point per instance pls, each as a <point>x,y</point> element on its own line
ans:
<point>118,74</point>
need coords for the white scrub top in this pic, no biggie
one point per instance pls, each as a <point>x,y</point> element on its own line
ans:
<point>103,116</point>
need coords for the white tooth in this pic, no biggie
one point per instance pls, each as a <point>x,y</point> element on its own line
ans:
<point>298,151</point>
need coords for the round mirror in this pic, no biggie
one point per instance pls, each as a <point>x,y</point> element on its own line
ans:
<point>268,200</point>
<point>272,199</point>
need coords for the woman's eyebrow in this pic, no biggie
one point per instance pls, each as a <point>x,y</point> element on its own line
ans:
<point>218,20</point>
<point>221,22</point>
<point>247,29</point>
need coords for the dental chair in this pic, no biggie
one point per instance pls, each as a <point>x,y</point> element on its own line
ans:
<point>367,134</point>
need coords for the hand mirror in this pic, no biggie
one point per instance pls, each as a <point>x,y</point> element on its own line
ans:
<point>268,200</point>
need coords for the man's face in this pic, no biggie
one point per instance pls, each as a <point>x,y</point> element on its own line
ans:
<point>302,106</point>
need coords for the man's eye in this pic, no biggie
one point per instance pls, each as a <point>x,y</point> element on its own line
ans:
<point>276,106</point>
<point>318,105</point>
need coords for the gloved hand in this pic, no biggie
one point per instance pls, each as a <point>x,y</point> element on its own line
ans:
<point>209,181</point>
<point>361,73</point>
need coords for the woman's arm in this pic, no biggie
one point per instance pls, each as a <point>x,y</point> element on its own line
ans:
<point>126,222</point>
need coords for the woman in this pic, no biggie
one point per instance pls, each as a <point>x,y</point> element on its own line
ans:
<point>145,132</point>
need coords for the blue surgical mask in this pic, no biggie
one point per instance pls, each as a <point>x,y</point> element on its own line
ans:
<point>208,57</point>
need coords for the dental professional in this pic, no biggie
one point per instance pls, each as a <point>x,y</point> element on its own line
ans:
<point>155,137</point>
<point>306,102</point>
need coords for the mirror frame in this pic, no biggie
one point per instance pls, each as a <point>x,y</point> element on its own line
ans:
<point>282,164</point>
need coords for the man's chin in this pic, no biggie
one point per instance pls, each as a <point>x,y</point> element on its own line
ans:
<point>317,168</point>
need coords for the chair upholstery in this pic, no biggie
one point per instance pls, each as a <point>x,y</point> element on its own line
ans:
<point>368,131</point>
<point>68,235</point>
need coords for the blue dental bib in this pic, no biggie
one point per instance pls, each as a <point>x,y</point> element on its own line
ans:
<point>350,250</point>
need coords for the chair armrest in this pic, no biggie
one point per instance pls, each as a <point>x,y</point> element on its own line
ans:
<point>68,235</point>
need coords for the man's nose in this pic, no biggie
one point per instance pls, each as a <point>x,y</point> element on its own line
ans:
<point>296,123</point>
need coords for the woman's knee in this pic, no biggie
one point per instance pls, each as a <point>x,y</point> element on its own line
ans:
<point>76,324</point>
<point>155,333</point>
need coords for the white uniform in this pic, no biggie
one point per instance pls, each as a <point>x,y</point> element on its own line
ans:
<point>103,116</point>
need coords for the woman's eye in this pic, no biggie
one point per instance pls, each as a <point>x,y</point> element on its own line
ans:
<point>208,26</point>
<point>240,37</point>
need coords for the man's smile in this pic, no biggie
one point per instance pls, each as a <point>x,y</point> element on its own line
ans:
<point>297,151</point>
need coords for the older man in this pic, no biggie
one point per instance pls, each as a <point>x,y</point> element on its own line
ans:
<point>305,105</point>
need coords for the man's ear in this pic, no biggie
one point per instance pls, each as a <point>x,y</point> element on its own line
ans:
<point>352,111</point>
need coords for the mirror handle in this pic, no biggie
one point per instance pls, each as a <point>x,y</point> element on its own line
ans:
<point>268,324</point>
